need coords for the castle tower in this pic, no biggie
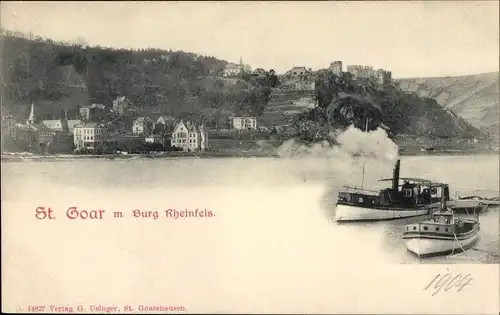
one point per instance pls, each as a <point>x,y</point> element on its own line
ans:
<point>241,65</point>
<point>31,118</point>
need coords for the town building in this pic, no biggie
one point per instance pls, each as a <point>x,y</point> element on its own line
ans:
<point>163,140</point>
<point>33,135</point>
<point>305,85</point>
<point>245,123</point>
<point>232,69</point>
<point>44,135</point>
<point>336,67</point>
<point>9,126</point>
<point>26,136</point>
<point>189,136</point>
<point>85,113</point>
<point>121,105</point>
<point>88,112</point>
<point>297,72</point>
<point>142,126</point>
<point>88,135</point>
<point>164,125</point>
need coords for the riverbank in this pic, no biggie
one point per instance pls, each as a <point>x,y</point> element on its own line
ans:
<point>170,154</point>
<point>205,154</point>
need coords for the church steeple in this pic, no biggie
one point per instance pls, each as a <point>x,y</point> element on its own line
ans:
<point>31,118</point>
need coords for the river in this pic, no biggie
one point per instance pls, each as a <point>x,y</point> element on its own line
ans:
<point>262,206</point>
<point>272,223</point>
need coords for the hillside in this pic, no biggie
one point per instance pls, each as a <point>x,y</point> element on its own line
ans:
<point>344,101</point>
<point>284,105</point>
<point>473,97</point>
<point>62,76</point>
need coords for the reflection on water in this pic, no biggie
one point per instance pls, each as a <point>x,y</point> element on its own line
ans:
<point>271,214</point>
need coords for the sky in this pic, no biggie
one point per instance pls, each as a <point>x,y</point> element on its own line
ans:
<point>411,39</point>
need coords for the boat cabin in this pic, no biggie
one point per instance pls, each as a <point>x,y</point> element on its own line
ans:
<point>443,223</point>
<point>405,192</point>
<point>413,191</point>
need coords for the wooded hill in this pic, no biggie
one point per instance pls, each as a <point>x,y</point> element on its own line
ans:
<point>65,76</point>
<point>59,76</point>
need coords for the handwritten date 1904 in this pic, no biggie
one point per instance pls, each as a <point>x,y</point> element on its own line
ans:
<point>448,282</point>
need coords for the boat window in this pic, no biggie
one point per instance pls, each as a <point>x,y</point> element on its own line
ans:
<point>437,229</point>
<point>446,230</point>
<point>407,192</point>
<point>425,228</point>
<point>414,227</point>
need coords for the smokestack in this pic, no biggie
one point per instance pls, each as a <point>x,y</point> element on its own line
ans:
<point>395,177</point>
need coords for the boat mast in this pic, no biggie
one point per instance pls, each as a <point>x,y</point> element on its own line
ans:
<point>363,175</point>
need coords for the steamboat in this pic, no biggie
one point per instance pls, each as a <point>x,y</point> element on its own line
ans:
<point>408,197</point>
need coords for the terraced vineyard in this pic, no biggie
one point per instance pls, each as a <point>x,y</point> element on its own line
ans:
<point>283,105</point>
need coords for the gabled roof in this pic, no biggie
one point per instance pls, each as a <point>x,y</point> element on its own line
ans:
<point>142,119</point>
<point>55,124</point>
<point>190,126</point>
<point>41,127</point>
<point>25,127</point>
<point>157,117</point>
<point>89,125</point>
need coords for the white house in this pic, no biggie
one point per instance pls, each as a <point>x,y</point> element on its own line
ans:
<point>89,135</point>
<point>189,136</point>
<point>87,111</point>
<point>233,69</point>
<point>142,126</point>
<point>121,105</point>
<point>245,123</point>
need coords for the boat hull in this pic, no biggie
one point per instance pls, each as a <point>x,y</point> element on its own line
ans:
<point>431,246</point>
<point>355,213</point>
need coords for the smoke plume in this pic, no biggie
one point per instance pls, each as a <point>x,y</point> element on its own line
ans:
<point>342,163</point>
